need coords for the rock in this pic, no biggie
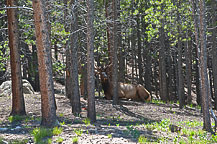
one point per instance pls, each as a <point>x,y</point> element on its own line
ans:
<point>17,128</point>
<point>5,88</point>
<point>27,87</point>
<point>174,128</point>
<point>3,129</point>
<point>4,142</point>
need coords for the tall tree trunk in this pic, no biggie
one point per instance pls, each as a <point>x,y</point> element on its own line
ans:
<point>139,50</point>
<point>156,75</point>
<point>75,98</point>
<point>108,9</point>
<point>188,55</point>
<point>205,93</point>
<point>180,76</point>
<point>162,66</point>
<point>214,48</point>
<point>120,46</point>
<point>170,76</point>
<point>196,21</point>
<point>45,65</point>
<point>34,65</point>
<point>181,93</point>
<point>132,55</point>
<point>114,53</point>
<point>91,113</point>
<point>175,59</point>
<point>148,69</point>
<point>68,81</point>
<point>18,104</point>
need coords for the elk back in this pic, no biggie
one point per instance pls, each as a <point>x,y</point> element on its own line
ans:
<point>128,91</point>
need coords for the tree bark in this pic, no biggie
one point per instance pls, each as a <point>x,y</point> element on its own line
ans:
<point>108,9</point>
<point>188,56</point>
<point>120,46</point>
<point>68,82</point>
<point>114,54</point>
<point>214,49</point>
<point>18,104</point>
<point>139,50</point>
<point>148,69</point>
<point>91,113</point>
<point>45,65</point>
<point>205,93</point>
<point>181,93</point>
<point>180,76</point>
<point>75,98</point>
<point>195,17</point>
<point>162,66</point>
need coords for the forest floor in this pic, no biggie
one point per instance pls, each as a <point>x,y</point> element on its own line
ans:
<point>128,122</point>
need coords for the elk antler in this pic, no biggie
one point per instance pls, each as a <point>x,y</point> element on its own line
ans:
<point>98,70</point>
<point>108,67</point>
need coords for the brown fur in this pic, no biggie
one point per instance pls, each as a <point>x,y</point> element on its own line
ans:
<point>128,91</point>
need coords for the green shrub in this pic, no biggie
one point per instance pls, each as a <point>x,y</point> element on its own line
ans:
<point>16,118</point>
<point>109,135</point>
<point>142,139</point>
<point>59,140</point>
<point>40,134</point>
<point>57,130</point>
<point>75,140</point>
<point>86,121</point>
<point>78,132</point>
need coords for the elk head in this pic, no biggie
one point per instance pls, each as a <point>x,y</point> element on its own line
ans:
<point>105,80</point>
<point>103,72</point>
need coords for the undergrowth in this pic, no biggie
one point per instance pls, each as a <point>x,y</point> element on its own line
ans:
<point>44,135</point>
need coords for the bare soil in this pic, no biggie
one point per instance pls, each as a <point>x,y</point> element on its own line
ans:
<point>118,124</point>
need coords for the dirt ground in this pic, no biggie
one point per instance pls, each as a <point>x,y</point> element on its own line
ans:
<point>114,123</point>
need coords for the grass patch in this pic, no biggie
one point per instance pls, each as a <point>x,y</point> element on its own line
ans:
<point>191,132</point>
<point>133,131</point>
<point>61,115</point>
<point>62,123</point>
<point>59,140</point>
<point>193,123</point>
<point>41,135</point>
<point>57,130</point>
<point>78,131</point>
<point>142,139</point>
<point>109,135</point>
<point>160,126</point>
<point>157,101</point>
<point>1,140</point>
<point>75,140</point>
<point>213,139</point>
<point>86,121</point>
<point>23,141</point>
<point>16,118</point>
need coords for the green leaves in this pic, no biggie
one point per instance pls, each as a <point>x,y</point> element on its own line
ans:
<point>135,12</point>
<point>167,11</point>
<point>4,55</point>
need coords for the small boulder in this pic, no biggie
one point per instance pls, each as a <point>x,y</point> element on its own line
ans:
<point>174,128</point>
<point>27,87</point>
<point>6,88</point>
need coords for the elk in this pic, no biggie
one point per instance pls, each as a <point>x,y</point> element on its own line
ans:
<point>125,91</point>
